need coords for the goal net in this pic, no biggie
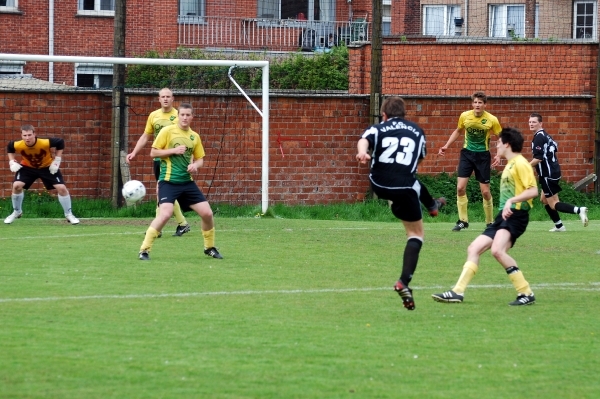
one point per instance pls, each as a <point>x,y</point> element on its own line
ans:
<point>74,98</point>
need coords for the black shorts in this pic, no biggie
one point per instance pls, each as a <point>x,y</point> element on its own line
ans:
<point>516,224</point>
<point>156,166</point>
<point>405,201</point>
<point>186,194</point>
<point>550,186</point>
<point>29,175</point>
<point>478,162</point>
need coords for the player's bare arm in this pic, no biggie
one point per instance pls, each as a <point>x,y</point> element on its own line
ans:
<point>138,146</point>
<point>534,162</point>
<point>193,167</point>
<point>451,139</point>
<point>496,160</point>
<point>165,153</point>
<point>530,193</point>
<point>362,148</point>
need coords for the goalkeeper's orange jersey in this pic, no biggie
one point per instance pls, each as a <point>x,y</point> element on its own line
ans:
<point>38,155</point>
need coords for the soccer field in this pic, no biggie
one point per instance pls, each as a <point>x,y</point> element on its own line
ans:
<point>296,309</point>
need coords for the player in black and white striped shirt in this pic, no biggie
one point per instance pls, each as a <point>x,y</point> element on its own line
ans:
<point>545,162</point>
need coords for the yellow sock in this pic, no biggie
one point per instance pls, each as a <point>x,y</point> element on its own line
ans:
<point>488,209</point>
<point>209,238</point>
<point>151,235</point>
<point>157,211</point>
<point>462,202</point>
<point>469,270</point>
<point>178,214</point>
<point>521,285</point>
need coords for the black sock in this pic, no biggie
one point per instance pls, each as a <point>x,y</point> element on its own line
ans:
<point>426,199</point>
<point>553,213</point>
<point>565,208</point>
<point>411,257</point>
<point>512,269</point>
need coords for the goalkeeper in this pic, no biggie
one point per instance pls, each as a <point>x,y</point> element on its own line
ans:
<point>37,163</point>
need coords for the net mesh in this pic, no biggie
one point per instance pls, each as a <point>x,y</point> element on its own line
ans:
<point>231,130</point>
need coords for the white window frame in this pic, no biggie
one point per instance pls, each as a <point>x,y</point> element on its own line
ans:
<point>14,6</point>
<point>93,69</point>
<point>503,9</point>
<point>449,10</point>
<point>386,17</point>
<point>191,15</point>
<point>97,11</point>
<point>11,67</point>
<point>595,20</point>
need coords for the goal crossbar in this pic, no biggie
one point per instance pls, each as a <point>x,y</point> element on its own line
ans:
<point>264,113</point>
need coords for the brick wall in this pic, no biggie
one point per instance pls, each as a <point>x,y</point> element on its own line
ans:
<point>152,25</point>
<point>312,144</point>
<point>557,80</point>
<point>501,69</point>
<point>312,140</point>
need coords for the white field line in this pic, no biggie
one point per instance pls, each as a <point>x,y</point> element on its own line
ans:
<point>220,231</point>
<point>392,227</point>
<point>592,286</point>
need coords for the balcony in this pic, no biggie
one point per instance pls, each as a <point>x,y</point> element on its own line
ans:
<point>268,33</point>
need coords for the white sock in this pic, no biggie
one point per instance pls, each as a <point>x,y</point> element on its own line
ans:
<point>17,201</point>
<point>65,202</point>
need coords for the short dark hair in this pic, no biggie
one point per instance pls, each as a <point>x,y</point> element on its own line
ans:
<point>536,115</point>
<point>187,106</point>
<point>393,107</point>
<point>481,95</point>
<point>28,128</point>
<point>512,137</point>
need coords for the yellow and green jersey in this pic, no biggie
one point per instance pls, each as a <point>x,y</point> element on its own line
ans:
<point>517,177</point>
<point>478,130</point>
<point>158,120</point>
<point>174,167</point>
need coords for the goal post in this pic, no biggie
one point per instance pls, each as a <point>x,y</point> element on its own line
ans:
<point>115,150</point>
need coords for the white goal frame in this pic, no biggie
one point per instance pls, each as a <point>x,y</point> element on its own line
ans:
<point>264,113</point>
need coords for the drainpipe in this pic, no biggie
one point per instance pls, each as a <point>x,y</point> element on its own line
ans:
<point>51,39</point>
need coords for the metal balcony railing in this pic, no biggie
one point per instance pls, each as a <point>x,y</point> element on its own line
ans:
<point>269,34</point>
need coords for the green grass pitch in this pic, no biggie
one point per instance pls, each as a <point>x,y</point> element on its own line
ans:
<point>297,309</point>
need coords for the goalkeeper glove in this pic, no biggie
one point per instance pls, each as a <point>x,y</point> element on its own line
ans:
<point>14,166</point>
<point>55,165</point>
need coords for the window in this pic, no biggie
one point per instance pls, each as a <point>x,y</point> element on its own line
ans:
<point>11,67</point>
<point>439,20</point>
<point>537,20</point>
<point>8,5</point>
<point>386,18</point>
<point>192,11</point>
<point>93,75</point>
<point>96,7</point>
<point>311,10</point>
<point>584,20</point>
<point>507,20</point>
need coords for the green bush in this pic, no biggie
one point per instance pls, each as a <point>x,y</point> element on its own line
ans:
<point>324,71</point>
<point>444,185</point>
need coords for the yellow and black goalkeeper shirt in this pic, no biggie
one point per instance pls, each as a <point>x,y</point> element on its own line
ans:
<point>478,130</point>
<point>38,155</point>
<point>174,167</point>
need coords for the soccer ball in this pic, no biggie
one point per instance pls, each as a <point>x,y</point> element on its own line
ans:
<point>133,191</point>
